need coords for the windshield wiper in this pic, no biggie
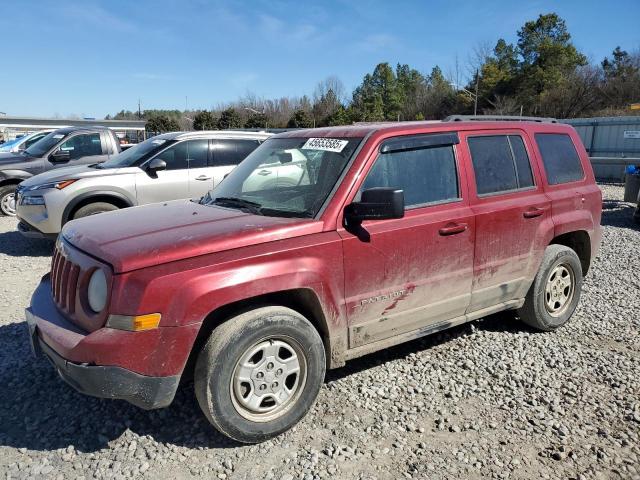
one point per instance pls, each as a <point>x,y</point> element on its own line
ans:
<point>253,207</point>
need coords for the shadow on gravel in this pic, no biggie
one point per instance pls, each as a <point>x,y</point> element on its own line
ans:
<point>499,322</point>
<point>15,245</point>
<point>41,412</point>
<point>618,214</point>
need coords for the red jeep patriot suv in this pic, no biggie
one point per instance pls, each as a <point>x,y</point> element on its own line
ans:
<point>368,236</point>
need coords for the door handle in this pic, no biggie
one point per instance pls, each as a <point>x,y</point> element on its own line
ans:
<point>534,212</point>
<point>264,172</point>
<point>453,229</point>
<point>202,178</point>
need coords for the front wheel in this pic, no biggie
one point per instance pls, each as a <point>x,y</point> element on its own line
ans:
<point>94,209</point>
<point>259,373</point>
<point>555,292</point>
<point>8,200</point>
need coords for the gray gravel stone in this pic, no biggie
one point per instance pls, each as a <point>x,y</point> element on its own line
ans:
<point>491,399</point>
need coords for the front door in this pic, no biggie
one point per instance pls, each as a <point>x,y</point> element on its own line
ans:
<point>412,273</point>
<point>513,217</point>
<point>169,184</point>
<point>83,148</point>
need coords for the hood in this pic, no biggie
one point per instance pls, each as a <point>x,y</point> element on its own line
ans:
<point>10,158</point>
<point>67,173</point>
<point>159,233</point>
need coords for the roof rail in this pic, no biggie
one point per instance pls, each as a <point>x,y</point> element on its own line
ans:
<point>496,118</point>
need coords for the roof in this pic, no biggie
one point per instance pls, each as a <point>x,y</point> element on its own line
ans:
<point>360,130</point>
<point>214,134</point>
<point>8,121</point>
<point>66,130</point>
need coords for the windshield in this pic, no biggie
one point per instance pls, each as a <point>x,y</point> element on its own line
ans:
<point>137,154</point>
<point>285,177</point>
<point>7,145</point>
<point>45,144</point>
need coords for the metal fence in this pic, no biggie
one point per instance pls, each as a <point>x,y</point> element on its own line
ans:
<point>612,143</point>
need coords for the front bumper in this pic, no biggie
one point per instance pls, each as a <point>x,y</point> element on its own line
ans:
<point>29,231</point>
<point>105,381</point>
<point>41,221</point>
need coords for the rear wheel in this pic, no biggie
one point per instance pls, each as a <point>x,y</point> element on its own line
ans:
<point>555,292</point>
<point>94,209</point>
<point>260,373</point>
<point>8,200</point>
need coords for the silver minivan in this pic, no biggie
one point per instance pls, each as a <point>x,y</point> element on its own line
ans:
<point>166,167</point>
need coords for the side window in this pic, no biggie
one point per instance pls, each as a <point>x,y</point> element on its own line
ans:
<point>560,158</point>
<point>426,175</point>
<point>83,145</point>
<point>175,156</point>
<point>500,163</point>
<point>196,152</point>
<point>232,151</point>
<point>521,159</point>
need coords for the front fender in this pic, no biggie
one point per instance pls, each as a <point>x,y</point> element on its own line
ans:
<point>186,292</point>
<point>14,175</point>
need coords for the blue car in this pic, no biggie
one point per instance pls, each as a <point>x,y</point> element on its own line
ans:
<point>24,142</point>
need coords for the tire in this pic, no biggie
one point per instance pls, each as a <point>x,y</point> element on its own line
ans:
<point>7,200</point>
<point>555,292</point>
<point>259,339</point>
<point>94,209</point>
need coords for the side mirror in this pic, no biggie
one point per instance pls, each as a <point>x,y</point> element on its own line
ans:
<point>156,165</point>
<point>60,156</point>
<point>378,203</point>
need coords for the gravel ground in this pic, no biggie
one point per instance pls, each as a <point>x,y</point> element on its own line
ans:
<point>490,399</point>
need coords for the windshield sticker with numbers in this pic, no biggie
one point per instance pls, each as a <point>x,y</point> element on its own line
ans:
<point>327,144</point>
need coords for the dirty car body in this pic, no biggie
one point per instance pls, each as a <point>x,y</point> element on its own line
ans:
<point>456,251</point>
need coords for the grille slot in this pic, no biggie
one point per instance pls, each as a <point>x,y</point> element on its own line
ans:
<point>70,270</point>
<point>64,282</point>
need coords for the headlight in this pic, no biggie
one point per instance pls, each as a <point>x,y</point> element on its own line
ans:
<point>59,185</point>
<point>97,291</point>
<point>32,200</point>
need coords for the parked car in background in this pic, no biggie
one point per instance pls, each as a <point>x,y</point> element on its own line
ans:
<point>61,148</point>
<point>394,231</point>
<point>24,142</point>
<point>166,167</point>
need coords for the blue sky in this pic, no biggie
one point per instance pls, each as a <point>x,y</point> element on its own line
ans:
<point>91,58</point>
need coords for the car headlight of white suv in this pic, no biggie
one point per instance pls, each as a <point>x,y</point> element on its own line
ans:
<point>32,200</point>
<point>46,186</point>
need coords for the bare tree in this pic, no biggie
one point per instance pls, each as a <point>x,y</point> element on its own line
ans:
<point>331,83</point>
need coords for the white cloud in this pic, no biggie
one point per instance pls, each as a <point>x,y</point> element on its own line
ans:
<point>376,42</point>
<point>92,14</point>
<point>287,33</point>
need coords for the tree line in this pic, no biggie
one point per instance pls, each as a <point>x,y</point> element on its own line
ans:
<point>542,74</point>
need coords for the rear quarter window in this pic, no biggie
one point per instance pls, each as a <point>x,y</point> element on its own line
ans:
<point>560,158</point>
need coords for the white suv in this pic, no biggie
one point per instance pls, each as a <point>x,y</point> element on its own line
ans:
<point>167,167</point>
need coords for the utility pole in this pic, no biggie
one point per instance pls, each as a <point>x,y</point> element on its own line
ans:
<point>139,110</point>
<point>475,102</point>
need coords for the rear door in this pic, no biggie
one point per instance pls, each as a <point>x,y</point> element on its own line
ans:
<point>412,273</point>
<point>513,216</point>
<point>227,153</point>
<point>169,184</point>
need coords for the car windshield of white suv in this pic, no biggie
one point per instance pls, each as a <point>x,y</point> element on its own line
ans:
<point>137,154</point>
<point>285,177</point>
